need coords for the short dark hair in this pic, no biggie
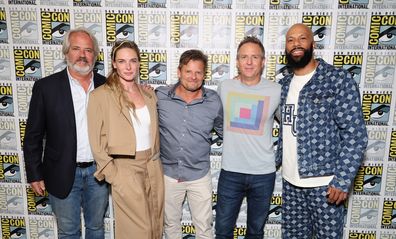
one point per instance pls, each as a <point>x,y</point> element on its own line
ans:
<point>254,40</point>
<point>193,54</point>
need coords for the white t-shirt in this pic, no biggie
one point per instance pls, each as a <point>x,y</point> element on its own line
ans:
<point>141,125</point>
<point>289,160</point>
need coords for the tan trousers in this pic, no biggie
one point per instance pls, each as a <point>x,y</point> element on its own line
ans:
<point>199,196</point>
<point>138,197</point>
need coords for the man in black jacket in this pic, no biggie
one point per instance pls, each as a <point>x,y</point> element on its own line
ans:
<point>57,125</point>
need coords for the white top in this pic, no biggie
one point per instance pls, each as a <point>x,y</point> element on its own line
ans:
<point>289,160</point>
<point>141,125</point>
<point>80,104</point>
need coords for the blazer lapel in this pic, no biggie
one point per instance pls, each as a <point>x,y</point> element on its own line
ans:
<point>66,96</point>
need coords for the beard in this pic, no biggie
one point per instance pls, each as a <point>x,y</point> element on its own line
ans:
<point>84,70</point>
<point>302,61</point>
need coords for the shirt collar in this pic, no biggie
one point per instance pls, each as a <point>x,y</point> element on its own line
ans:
<point>75,81</point>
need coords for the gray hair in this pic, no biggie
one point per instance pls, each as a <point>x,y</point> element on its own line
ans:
<point>66,41</point>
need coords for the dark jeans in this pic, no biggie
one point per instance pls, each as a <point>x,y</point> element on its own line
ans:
<point>232,188</point>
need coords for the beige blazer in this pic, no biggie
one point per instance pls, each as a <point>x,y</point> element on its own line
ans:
<point>110,129</point>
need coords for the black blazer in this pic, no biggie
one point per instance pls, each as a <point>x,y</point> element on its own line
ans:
<point>51,127</point>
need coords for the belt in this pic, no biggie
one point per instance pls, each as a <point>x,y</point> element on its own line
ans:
<point>84,164</point>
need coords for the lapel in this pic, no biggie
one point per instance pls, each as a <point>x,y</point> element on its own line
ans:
<point>67,99</point>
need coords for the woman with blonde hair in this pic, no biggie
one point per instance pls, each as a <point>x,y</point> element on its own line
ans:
<point>123,132</point>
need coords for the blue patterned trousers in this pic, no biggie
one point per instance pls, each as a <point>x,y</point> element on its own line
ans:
<point>307,214</point>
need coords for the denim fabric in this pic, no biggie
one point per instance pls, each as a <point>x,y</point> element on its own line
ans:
<point>306,214</point>
<point>92,196</point>
<point>331,132</point>
<point>232,188</point>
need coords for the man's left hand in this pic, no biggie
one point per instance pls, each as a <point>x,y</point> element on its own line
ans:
<point>335,195</point>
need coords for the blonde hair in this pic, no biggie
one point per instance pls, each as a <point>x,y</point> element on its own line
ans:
<point>113,79</point>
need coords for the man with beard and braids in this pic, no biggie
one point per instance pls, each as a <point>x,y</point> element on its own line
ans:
<point>57,152</point>
<point>321,142</point>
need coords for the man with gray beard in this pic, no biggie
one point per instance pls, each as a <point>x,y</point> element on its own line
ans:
<point>57,153</point>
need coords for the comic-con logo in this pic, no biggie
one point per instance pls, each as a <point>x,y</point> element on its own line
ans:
<point>352,62</point>
<point>86,3</point>
<point>384,4</point>
<point>11,199</point>
<point>218,68</point>
<point>99,66</point>
<point>239,232</point>
<point>184,29</point>
<point>317,4</point>
<point>364,212</point>
<point>22,129</point>
<point>3,26</point>
<point>152,29</point>
<point>41,227</point>
<point>216,31</point>
<point>27,64</point>
<point>188,231</point>
<point>350,31</point>
<point>12,227</point>
<point>23,95</point>
<point>353,4</point>
<point>375,150</point>
<point>283,4</point>
<point>7,134</point>
<point>92,20</point>
<point>380,70</point>
<point>376,107</point>
<point>5,73</point>
<point>250,4</point>
<point>119,26</point>
<point>153,67</point>
<point>24,26</point>
<point>359,235</point>
<point>390,181</point>
<point>278,24</point>
<point>216,147</point>
<point>53,60</point>
<point>37,204</point>
<point>382,32</point>
<point>9,168</point>
<point>392,146</point>
<point>151,3</point>
<point>275,211</point>
<point>24,2</point>
<point>368,180</point>
<point>321,28</point>
<point>6,100</point>
<point>276,66</point>
<point>217,4</point>
<point>54,26</point>
<point>249,25</point>
<point>389,214</point>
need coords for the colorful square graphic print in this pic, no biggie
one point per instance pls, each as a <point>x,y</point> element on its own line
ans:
<point>246,113</point>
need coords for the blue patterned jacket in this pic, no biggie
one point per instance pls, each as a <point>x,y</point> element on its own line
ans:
<point>331,133</point>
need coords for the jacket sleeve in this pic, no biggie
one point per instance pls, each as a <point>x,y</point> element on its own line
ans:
<point>352,132</point>
<point>98,134</point>
<point>35,131</point>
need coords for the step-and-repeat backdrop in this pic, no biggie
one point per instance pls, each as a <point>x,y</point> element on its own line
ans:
<point>357,35</point>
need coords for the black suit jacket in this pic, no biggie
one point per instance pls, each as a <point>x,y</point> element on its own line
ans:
<point>51,128</point>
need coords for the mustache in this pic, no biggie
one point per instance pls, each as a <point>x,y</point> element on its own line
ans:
<point>83,59</point>
<point>297,48</point>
